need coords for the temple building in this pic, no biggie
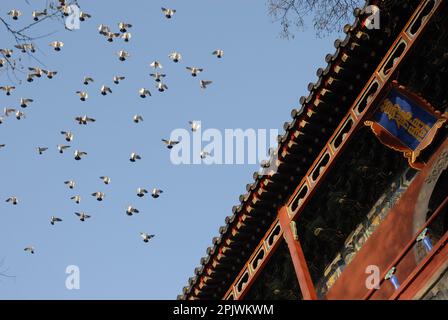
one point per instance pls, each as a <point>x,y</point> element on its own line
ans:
<point>353,203</point>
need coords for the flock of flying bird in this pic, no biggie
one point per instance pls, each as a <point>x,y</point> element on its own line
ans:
<point>36,72</point>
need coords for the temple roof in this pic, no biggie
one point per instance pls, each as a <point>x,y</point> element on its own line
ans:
<point>330,97</point>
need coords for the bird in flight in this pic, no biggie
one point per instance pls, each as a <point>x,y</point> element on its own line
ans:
<point>205,83</point>
<point>50,74</point>
<point>168,12</point>
<point>84,119</point>
<point>156,65</point>
<point>13,200</point>
<point>29,249</point>
<point>38,14</point>
<point>141,192</point>
<point>41,150</point>
<point>155,193</point>
<point>57,45</point>
<point>111,35</point>
<point>24,102</point>
<point>131,211</point>
<point>2,145</point>
<point>194,125</point>
<point>15,14</point>
<point>79,154</point>
<point>218,53</point>
<point>68,135</point>
<point>161,87</point>
<point>83,96</point>
<point>137,118</point>
<point>8,89</point>
<point>83,16</point>
<point>8,111</point>
<point>123,26</point>
<point>158,76</point>
<point>54,219</point>
<point>82,216</point>
<point>76,198</point>
<point>170,143</point>
<point>87,80</point>
<point>146,237</point>
<point>62,147</point>
<point>123,55</point>
<point>144,93</point>
<point>99,195</point>
<point>20,115</point>
<point>175,56</point>
<point>134,156</point>
<point>105,90</point>
<point>204,154</point>
<point>194,71</point>
<point>117,79</point>
<point>106,180</point>
<point>70,183</point>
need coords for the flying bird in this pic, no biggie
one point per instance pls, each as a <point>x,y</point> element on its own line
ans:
<point>54,219</point>
<point>77,199</point>
<point>84,119</point>
<point>158,76</point>
<point>87,80</point>
<point>156,65</point>
<point>37,72</point>
<point>194,125</point>
<point>126,36</point>
<point>137,118</point>
<point>168,12</point>
<point>161,87</point>
<point>70,183</point>
<point>2,145</point>
<point>14,200</point>
<point>25,47</point>
<point>38,14</point>
<point>134,157</point>
<point>105,179</point>
<point>99,195</point>
<point>62,147</point>
<point>15,14</point>
<point>123,26</point>
<point>83,16</point>
<point>131,211</point>
<point>111,35</point>
<point>8,111</point>
<point>175,56</point>
<point>117,79</point>
<point>144,93</point>
<point>103,29</point>
<point>79,154</point>
<point>146,237</point>
<point>57,45</point>
<point>24,102</point>
<point>6,52</point>
<point>8,89</point>
<point>205,83</point>
<point>156,193</point>
<point>20,115</point>
<point>105,90</point>
<point>170,143</point>
<point>82,216</point>
<point>123,55</point>
<point>204,154</point>
<point>218,53</point>
<point>68,135</point>
<point>195,71</point>
<point>50,74</point>
<point>29,249</point>
<point>2,62</point>
<point>141,192</point>
<point>83,96</point>
<point>41,150</point>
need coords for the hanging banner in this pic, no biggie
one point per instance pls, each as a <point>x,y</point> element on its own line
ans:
<point>406,123</point>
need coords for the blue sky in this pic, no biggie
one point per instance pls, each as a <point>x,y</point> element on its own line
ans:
<point>256,84</point>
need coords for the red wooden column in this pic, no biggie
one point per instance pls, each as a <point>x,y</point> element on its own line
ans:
<point>297,256</point>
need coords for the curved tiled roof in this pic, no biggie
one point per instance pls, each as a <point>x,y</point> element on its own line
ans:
<point>329,99</point>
